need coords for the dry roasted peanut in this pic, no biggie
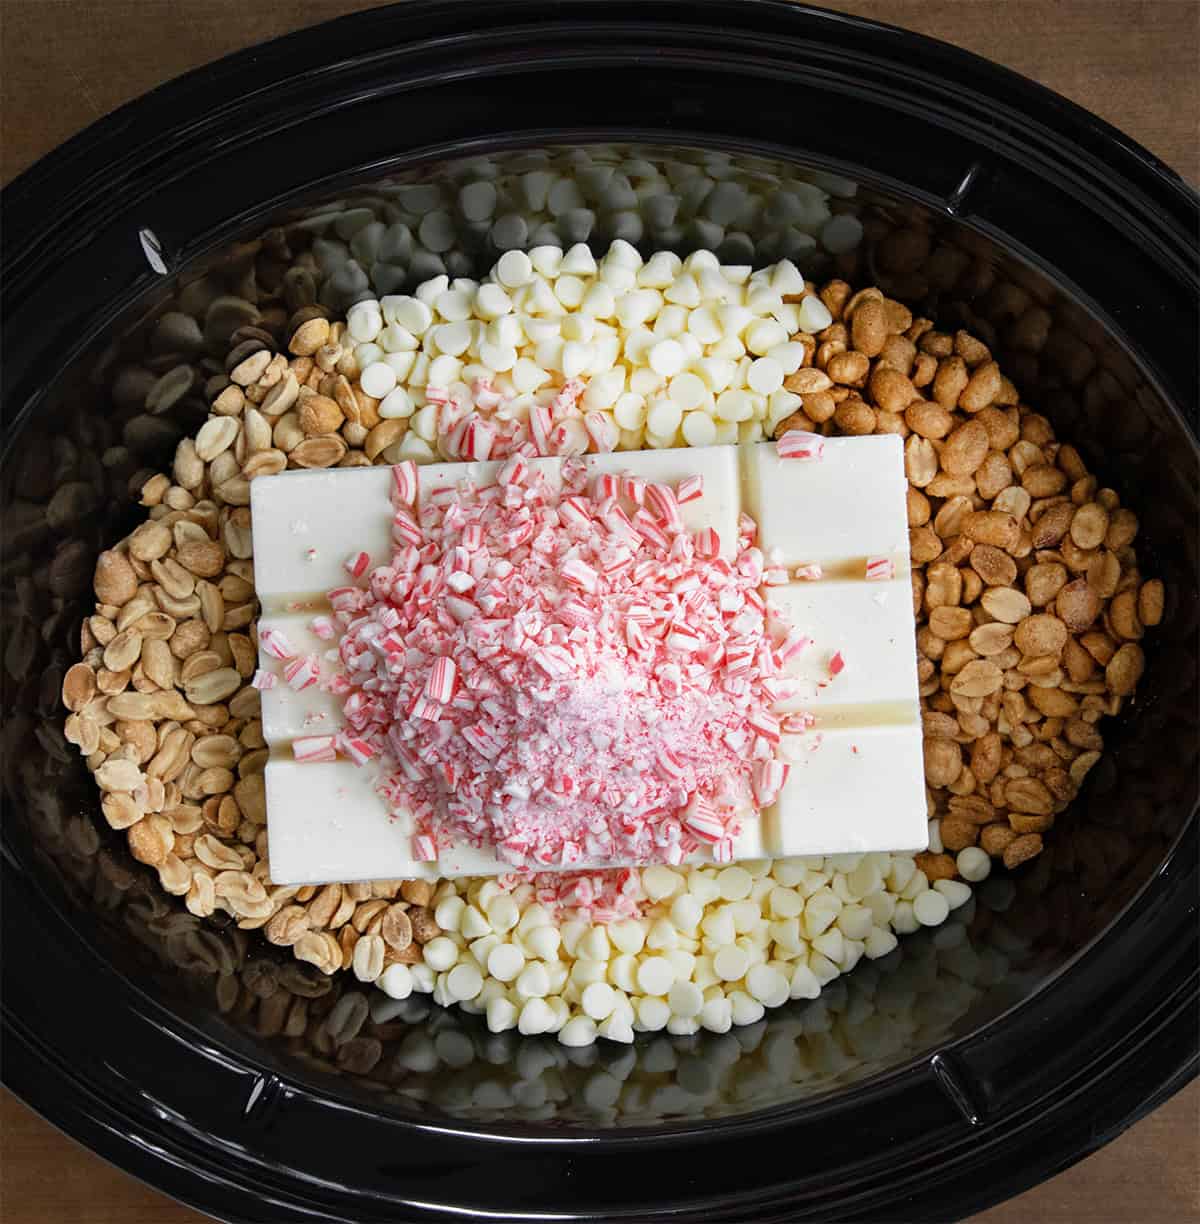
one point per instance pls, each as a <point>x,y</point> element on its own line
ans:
<point>1006,604</point>
<point>158,663</point>
<point>978,678</point>
<point>1089,525</point>
<point>1043,582</point>
<point>982,388</point>
<point>1077,605</point>
<point>991,639</point>
<point>848,368</point>
<point>1123,615</point>
<point>1122,528</point>
<point>1022,849</point>
<point>1028,795</point>
<point>928,420</point>
<point>950,623</point>
<point>958,834</point>
<point>992,527</point>
<point>950,381</point>
<point>869,327</point>
<point>1052,702</point>
<point>1150,602</point>
<point>1040,634</point>
<point>995,567</point>
<point>936,866</point>
<point>890,389</point>
<point>115,581</point>
<point>965,449</point>
<point>994,474</point>
<point>1104,574</point>
<point>1022,822</point>
<point>855,417</point>
<point>1125,669</point>
<point>1045,480</point>
<point>943,761</point>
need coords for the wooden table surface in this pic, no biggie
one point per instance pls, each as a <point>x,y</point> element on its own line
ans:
<point>64,63</point>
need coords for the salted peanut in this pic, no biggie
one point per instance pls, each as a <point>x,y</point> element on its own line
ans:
<point>1125,669</point>
<point>78,686</point>
<point>1077,605</point>
<point>123,651</point>
<point>115,581</point>
<point>938,343</point>
<point>950,381</point>
<point>992,527</point>
<point>318,415</point>
<point>151,540</point>
<point>807,381</point>
<point>978,678</point>
<point>1022,849</point>
<point>1150,602</point>
<point>996,838</point>
<point>1089,526</point>
<point>252,368</point>
<point>1123,615</point>
<point>936,866</point>
<point>849,369</point>
<point>397,928</point>
<point>309,337</point>
<point>1122,528</point>
<point>869,327</point>
<point>319,452</point>
<point>920,461</point>
<point>230,401</point>
<point>1079,665</point>
<point>924,369</point>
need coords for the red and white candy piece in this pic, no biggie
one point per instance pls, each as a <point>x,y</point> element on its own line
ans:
<point>800,444</point>
<point>880,569</point>
<point>275,643</point>
<point>310,749</point>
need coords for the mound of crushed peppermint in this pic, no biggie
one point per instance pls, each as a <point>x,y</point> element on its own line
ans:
<point>562,674</point>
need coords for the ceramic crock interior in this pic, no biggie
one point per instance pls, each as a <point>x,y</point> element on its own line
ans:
<point>69,473</point>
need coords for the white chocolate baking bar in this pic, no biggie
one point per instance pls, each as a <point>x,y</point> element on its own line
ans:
<point>856,781</point>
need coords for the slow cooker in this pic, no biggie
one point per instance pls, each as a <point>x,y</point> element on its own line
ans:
<point>1055,1009</point>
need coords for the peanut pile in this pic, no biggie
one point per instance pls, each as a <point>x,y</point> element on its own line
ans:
<point>1029,601</point>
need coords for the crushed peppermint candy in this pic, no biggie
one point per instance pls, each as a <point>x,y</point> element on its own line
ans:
<point>564,675</point>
